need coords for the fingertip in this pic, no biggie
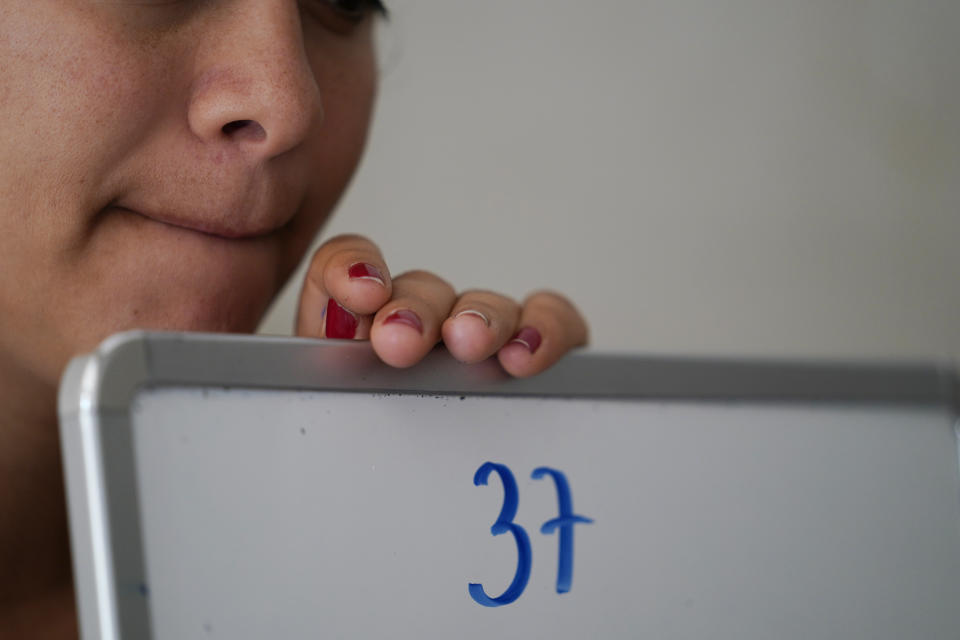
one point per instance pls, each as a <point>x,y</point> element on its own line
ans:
<point>361,285</point>
<point>517,360</point>
<point>468,336</point>
<point>397,347</point>
<point>408,327</point>
<point>522,355</point>
<point>398,339</point>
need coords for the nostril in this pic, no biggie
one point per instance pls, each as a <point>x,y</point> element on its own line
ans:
<point>244,130</point>
<point>230,127</point>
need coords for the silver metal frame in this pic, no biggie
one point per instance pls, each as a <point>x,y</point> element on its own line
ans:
<point>97,391</point>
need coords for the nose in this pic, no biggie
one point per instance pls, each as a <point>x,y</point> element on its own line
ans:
<point>254,87</point>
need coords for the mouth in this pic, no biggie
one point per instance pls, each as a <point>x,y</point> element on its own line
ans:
<point>221,231</point>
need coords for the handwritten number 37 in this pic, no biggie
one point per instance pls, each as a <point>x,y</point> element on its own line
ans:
<point>564,522</point>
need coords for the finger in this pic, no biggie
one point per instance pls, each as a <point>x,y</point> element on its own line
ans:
<point>351,270</point>
<point>339,322</point>
<point>480,323</point>
<point>408,326</point>
<point>549,327</point>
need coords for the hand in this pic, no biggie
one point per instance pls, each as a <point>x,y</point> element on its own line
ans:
<point>348,293</point>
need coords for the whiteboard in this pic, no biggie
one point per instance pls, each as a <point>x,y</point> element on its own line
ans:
<point>249,488</point>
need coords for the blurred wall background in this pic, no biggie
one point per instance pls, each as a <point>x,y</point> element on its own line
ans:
<point>747,177</point>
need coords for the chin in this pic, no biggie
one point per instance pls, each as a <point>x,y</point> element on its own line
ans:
<point>236,310</point>
<point>224,289</point>
<point>208,305</point>
<point>145,275</point>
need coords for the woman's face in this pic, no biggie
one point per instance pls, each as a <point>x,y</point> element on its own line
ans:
<point>166,163</point>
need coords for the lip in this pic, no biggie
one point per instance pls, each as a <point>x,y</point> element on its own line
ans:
<point>223,232</point>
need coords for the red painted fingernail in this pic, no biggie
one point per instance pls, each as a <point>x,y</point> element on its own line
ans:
<point>340,322</point>
<point>407,317</point>
<point>528,337</point>
<point>364,271</point>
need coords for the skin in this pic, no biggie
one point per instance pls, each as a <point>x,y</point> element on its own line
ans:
<point>166,165</point>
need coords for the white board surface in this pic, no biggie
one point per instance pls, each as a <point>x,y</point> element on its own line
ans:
<point>351,515</point>
<point>253,488</point>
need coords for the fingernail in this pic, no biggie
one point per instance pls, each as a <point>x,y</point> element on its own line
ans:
<point>528,337</point>
<point>364,271</point>
<point>340,322</point>
<point>473,312</point>
<point>407,317</point>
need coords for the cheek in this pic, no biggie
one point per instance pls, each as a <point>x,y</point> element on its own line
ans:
<point>348,91</point>
<point>76,99</point>
<point>73,101</point>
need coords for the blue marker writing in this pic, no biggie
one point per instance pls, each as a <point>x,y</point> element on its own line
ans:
<point>564,521</point>
<point>503,524</point>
